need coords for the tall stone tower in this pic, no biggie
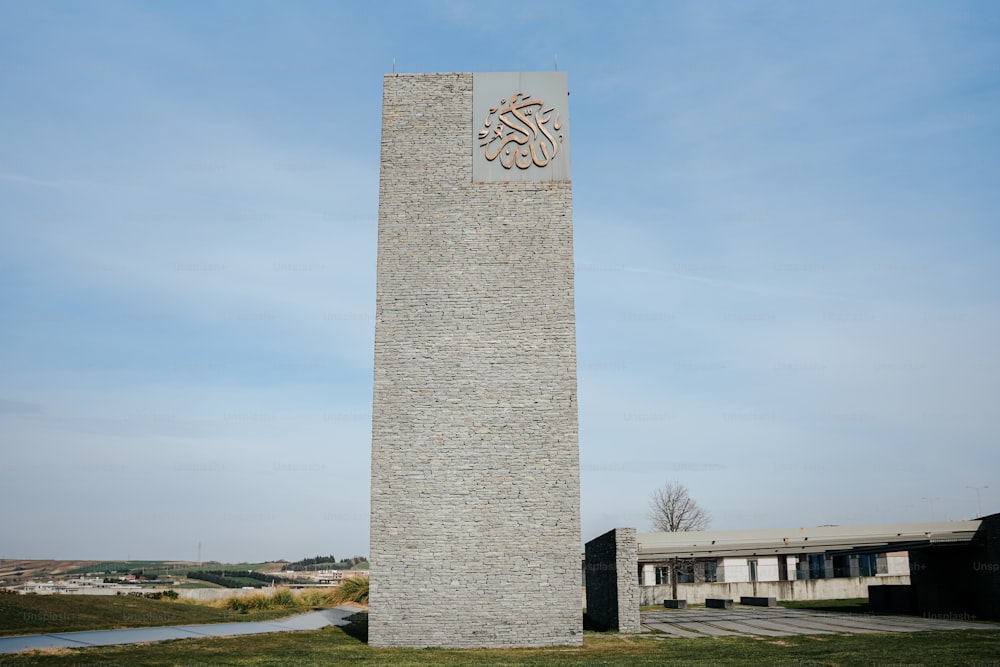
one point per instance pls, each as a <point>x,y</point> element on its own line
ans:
<point>475,519</point>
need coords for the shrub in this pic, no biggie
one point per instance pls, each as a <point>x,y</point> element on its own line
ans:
<point>237,604</point>
<point>316,597</point>
<point>257,602</point>
<point>351,590</point>
<point>283,598</point>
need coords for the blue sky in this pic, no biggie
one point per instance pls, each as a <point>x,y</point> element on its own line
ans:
<point>787,251</point>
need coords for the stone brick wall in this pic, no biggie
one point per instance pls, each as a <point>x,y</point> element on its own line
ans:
<point>613,580</point>
<point>475,514</point>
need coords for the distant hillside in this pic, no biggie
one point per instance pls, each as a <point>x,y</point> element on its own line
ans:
<point>18,571</point>
<point>30,569</point>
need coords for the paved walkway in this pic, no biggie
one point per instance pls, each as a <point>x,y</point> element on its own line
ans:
<point>311,621</point>
<point>782,622</point>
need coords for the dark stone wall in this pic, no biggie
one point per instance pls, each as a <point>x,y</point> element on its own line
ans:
<point>612,581</point>
<point>960,581</point>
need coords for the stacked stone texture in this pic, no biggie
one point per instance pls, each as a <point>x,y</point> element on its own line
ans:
<point>475,528</point>
<point>612,569</point>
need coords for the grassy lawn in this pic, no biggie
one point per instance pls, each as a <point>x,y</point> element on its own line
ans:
<point>43,613</point>
<point>333,646</point>
<point>39,614</point>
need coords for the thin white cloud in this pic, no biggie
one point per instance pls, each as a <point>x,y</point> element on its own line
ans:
<point>38,182</point>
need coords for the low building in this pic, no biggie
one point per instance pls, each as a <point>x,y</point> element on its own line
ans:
<point>785,567</point>
<point>824,562</point>
<point>940,569</point>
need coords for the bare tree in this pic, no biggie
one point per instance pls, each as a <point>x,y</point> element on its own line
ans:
<point>672,510</point>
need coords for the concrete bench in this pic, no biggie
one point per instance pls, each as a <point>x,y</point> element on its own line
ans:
<point>759,602</point>
<point>718,603</point>
<point>675,604</point>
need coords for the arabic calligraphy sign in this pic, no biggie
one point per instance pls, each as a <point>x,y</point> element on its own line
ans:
<point>521,127</point>
<point>518,135</point>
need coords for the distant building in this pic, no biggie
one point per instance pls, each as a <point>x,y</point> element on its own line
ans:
<point>791,554</point>
<point>827,562</point>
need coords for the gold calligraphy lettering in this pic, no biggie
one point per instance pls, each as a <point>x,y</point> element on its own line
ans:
<point>519,134</point>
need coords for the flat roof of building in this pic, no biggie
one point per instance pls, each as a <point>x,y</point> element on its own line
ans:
<point>837,539</point>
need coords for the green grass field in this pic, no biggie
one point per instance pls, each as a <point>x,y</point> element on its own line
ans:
<point>335,646</point>
<point>43,613</point>
<point>157,566</point>
<point>39,614</point>
<point>167,568</point>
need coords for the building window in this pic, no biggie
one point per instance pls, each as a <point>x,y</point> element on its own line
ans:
<point>841,566</point>
<point>752,567</point>
<point>868,564</point>
<point>817,566</point>
<point>711,571</point>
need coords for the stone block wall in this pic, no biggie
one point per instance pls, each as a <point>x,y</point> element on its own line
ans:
<point>475,510</point>
<point>613,580</point>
